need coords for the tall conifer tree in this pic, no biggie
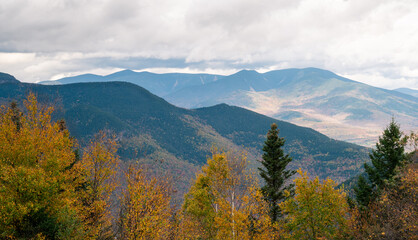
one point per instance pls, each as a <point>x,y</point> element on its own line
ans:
<point>388,155</point>
<point>274,172</point>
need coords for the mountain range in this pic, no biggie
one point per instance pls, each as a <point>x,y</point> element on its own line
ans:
<point>163,136</point>
<point>158,84</point>
<point>336,106</point>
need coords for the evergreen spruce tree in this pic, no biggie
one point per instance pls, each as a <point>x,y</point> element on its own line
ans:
<point>363,191</point>
<point>385,159</point>
<point>274,172</point>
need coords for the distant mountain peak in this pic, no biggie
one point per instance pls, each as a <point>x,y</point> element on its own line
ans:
<point>126,71</point>
<point>246,72</point>
<point>122,73</point>
<point>7,78</point>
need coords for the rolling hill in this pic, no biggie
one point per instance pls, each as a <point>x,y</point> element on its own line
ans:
<point>151,129</point>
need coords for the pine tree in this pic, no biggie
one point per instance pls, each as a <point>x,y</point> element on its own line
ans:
<point>274,172</point>
<point>363,191</point>
<point>385,159</point>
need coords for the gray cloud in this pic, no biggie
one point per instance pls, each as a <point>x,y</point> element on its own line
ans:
<point>373,40</point>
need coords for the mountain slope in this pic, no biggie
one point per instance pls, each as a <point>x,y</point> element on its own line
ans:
<point>149,127</point>
<point>336,106</point>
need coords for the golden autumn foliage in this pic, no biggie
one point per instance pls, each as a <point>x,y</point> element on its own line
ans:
<point>98,167</point>
<point>225,202</point>
<point>36,192</point>
<point>317,211</point>
<point>146,212</point>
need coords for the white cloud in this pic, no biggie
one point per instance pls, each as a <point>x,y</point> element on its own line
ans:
<point>374,39</point>
<point>376,79</point>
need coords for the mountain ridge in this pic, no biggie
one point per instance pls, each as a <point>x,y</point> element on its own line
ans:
<point>159,84</point>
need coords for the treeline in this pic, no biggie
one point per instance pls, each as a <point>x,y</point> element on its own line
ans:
<point>52,189</point>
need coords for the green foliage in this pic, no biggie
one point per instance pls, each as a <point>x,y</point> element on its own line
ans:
<point>386,159</point>
<point>388,155</point>
<point>363,191</point>
<point>198,206</point>
<point>274,172</point>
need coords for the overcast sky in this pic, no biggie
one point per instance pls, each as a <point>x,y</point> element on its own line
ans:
<point>372,41</point>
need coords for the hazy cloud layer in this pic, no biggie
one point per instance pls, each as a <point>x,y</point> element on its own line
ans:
<point>373,41</point>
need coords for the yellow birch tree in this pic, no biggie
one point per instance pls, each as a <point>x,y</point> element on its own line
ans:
<point>224,202</point>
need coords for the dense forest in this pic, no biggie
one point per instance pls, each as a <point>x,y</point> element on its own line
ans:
<point>51,187</point>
